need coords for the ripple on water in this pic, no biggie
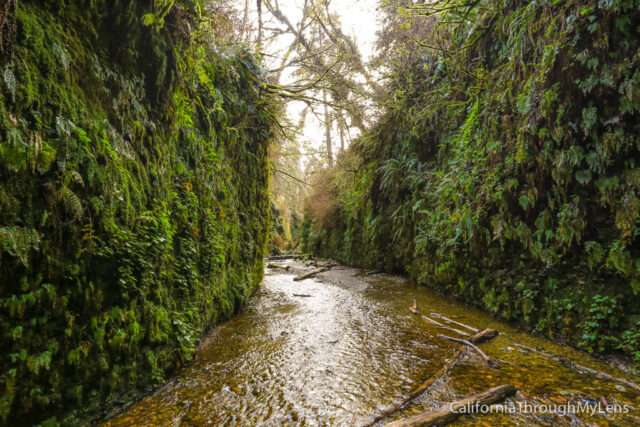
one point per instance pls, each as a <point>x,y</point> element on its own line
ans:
<point>350,348</point>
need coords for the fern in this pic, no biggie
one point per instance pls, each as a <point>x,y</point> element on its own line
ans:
<point>71,202</point>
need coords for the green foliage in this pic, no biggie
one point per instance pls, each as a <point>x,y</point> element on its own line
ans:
<point>631,342</point>
<point>601,319</point>
<point>134,207</point>
<point>504,170</point>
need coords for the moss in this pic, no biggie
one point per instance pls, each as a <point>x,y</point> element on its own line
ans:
<point>505,173</point>
<point>133,203</point>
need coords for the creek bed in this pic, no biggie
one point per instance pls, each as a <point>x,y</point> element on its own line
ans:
<point>350,346</point>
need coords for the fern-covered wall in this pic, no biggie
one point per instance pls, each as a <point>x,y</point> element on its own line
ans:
<point>506,168</point>
<point>133,198</point>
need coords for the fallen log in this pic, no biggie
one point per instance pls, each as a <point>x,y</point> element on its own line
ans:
<point>485,335</point>
<point>280,257</point>
<point>491,362</point>
<point>302,295</point>
<point>311,273</point>
<point>446,319</point>
<point>580,368</point>
<point>392,409</point>
<point>453,410</point>
<point>273,266</point>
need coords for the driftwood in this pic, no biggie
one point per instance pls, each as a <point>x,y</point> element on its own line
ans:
<point>492,363</point>
<point>415,311</point>
<point>297,256</point>
<point>485,335</point>
<point>318,263</point>
<point>280,257</point>
<point>302,295</point>
<point>446,319</point>
<point>451,411</point>
<point>482,336</point>
<point>580,368</point>
<point>284,267</point>
<point>311,273</point>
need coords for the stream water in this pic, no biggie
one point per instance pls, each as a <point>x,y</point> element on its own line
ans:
<point>346,345</point>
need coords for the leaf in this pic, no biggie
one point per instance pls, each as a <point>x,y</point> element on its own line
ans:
<point>583,176</point>
<point>524,103</point>
<point>525,201</point>
<point>148,19</point>
<point>59,51</point>
<point>71,202</point>
<point>622,23</point>
<point>10,81</point>
<point>589,117</point>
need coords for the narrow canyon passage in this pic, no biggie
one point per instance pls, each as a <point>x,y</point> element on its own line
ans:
<point>338,348</point>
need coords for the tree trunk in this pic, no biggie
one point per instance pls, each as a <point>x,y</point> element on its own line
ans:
<point>327,129</point>
<point>245,19</point>
<point>259,5</point>
<point>451,411</point>
<point>311,273</point>
<point>7,26</point>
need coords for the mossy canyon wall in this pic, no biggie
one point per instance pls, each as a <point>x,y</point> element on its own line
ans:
<point>134,206</point>
<point>505,170</point>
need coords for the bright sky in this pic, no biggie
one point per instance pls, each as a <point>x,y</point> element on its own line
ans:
<point>358,18</point>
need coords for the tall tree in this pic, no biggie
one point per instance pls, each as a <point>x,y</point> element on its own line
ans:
<point>327,129</point>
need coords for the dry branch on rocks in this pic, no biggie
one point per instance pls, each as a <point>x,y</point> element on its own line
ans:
<point>311,273</point>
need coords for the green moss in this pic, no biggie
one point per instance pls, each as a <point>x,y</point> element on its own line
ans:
<point>506,173</point>
<point>133,203</point>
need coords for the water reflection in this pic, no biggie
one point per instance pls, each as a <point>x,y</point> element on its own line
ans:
<point>350,347</point>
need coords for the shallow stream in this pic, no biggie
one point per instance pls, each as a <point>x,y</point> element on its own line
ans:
<point>346,345</point>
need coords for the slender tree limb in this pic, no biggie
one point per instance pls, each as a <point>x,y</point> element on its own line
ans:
<point>446,319</point>
<point>293,177</point>
<point>415,311</point>
<point>580,368</point>
<point>492,363</point>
